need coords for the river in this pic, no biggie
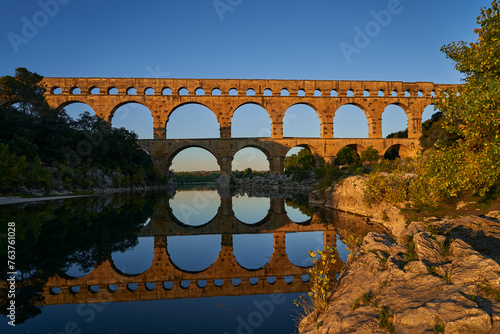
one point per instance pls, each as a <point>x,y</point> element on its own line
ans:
<point>194,262</point>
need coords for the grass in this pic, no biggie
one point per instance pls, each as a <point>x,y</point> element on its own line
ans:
<point>432,271</point>
<point>364,299</point>
<point>445,251</point>
<point>411,255</point>
<point>490,290</point>
<point>439,328</point>
<point>447,277</point>
<point>385,321</point>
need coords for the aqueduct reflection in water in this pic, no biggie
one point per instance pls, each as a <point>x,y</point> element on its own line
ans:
<point>224,277</point>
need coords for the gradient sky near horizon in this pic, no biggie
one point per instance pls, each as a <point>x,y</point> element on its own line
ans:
<point>240,39</point>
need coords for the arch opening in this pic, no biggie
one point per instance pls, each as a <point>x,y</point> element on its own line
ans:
<point>194,159</point>
<point>301,120</point>
<point>233,92</point>
<point>348,155</point>
<point>131,91</point>
<point>113,91</point>
<point>317,93</point>
<point>350,122</point>
<point>180,124</point>
<point>134,117</point>
<point>250,92</point>
<point>248,161</point>
<point>75,110</point>
<point>216,92</point>
<point>94,91</point>
<point>183,91</point>
<point>75,91</point>
<point>56,90</point>
<point>199,92</point>
<point>284,92</point>
<point>301,92</point>
<point>149,91</point>
<point>166,91</point>
<point>268,92</point>
<point>394,120</point>
<point>250,120</point>
<point>300,160</point>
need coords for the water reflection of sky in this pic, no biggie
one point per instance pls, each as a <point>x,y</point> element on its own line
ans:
<point>194,207</point>
<point>299,244</point>
<point>250,210</point>
<point>193,253</point>
<point>295,215</point>
<point>137,259</point>
<point>253,251</point>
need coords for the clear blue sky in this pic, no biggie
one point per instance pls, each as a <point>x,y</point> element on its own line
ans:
<point>237,39</point>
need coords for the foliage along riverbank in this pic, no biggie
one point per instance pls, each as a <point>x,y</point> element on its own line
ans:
<point>44,151</point>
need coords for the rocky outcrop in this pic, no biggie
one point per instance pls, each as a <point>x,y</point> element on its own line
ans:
<point>445,278</point>
<point>348,196</point>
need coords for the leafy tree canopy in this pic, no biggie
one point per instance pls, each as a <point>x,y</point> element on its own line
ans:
<point>470,164</point>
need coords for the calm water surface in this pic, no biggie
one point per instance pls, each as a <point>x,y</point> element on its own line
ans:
<point>193,263</point>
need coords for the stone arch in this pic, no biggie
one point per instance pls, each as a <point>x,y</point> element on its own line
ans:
<point>75,91</point>
<point>314,151</point>
<point>307,119</point>
<point>76,108</point>
<point>184,147</point>
<point>258,108</point>
<point>94,90</point>
<point>428,111</point>
<point>402,151</point>
<point>130,115</point>
<point>253,158</point>
<point>56,90</point>
<point>349,128</point>
<point>393,121</point>
<point>131,91</point>
<point>355,146</point>
<point>202,127</point>
<point>113,91</point>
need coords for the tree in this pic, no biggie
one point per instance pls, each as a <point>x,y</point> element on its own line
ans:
<point>471,163</point>
<point>347,156</point>
<point>370,155</point>
<point>24,92</point>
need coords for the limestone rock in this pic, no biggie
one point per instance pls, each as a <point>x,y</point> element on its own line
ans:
<point>458,291</point>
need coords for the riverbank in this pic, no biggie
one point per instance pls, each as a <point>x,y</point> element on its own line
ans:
<point>438,275</point>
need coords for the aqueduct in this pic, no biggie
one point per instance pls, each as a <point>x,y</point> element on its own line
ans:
<point>224,96</point>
